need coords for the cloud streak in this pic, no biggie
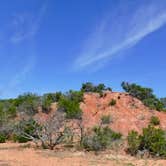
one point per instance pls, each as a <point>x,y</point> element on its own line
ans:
<point>22,28</point>
<point>118,33</point>
<point>26,25</point>
<point>18,78</point>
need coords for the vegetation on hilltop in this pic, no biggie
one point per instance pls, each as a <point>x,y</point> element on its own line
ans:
<point>89,87</point>
<point>163,100</point>
<point>144,94</point>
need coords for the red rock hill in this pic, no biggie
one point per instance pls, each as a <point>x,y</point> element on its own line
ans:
<point>127,114</point>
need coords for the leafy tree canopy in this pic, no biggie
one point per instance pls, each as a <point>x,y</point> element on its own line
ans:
<point>90,87</point>
<point>144,94</point>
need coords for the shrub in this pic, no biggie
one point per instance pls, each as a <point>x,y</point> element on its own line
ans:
<point>72,108</point>
<point>20,139</point>
<point>163,100</point>
<point>12,111</point>
<point>105,119</point>
<point>49,98</point>
<point>101,139</point>
<point>27,103</point>
<point>76,96</point>
<point>133,142</point>
<point>154,120</point>
<point>112,102</point>
<point>144,94</point>
<point>153,140</point>
<point>2,138</point>
<point>25,131</point>
<point>154,103</point>
<point>6,130</point>
<point>7,111</point>
<point>89,87</point>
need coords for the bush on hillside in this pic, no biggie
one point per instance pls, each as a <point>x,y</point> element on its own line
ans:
<point>101,139</point>
<point>71,107</point>
<point>28,103</point>
<point>105,119</point>
<point>49,98</point>
<point>144,94</point>
<point>152,140</point>
<point>163,100</point>
<point>89,87</point>
<point>7,111</point>
<point>70,103</point>
<point>154,120</point>
<point>76,96</point>
<point>133,142</point>
<point>2,138</point>
<point>112,102</point>
<point>25,131</point>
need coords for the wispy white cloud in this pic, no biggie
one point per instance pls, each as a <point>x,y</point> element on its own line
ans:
<point>18,78</point>
<point>21,75</point>
<point>116,34</point>
<point>26,25</point>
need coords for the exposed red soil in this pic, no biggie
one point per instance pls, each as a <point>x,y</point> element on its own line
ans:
<point>127,114</point>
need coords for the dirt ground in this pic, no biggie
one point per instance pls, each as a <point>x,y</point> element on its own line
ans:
<point>13,154</point>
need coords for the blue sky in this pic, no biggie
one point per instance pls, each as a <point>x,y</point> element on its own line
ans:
<point>56,45</point>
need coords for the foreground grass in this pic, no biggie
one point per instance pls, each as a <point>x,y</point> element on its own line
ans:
<point>12,154</point>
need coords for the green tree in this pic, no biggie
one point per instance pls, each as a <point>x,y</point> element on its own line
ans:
<point>49,98</point>
<point>144,94</point>
<point>163,100</point>
<point>28,103</point>
<point>71,107</point>
<point>152,140</point>
<point>89,87</point>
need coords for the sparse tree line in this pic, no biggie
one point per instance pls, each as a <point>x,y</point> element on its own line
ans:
<point>163,100</point>
<point>146,95</point>
<point>56,131</point>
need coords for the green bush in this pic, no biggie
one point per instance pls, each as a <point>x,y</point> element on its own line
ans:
<point>101,139</point>
<point>163,100</point>
<point>2,138</point>
<point>154,120</point>
<point>76,96</point>
<point>7,111</point>
<point>105,119</point>
<point>24,130</point>
<point>153,140</point>
<point>154,103</point>
<point>20,139</point>
<point>112,102</point>
<point>133,142</point>
<point>144,94</point>
<point>28,103</point>
<point>89,87</point>
<point>49,98</point>
<point>6,130</point>
<point>72,108</point>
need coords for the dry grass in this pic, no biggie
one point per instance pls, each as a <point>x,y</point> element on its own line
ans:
<point>12,154</point>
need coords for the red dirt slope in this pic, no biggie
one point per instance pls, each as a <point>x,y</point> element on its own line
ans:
<point>127,114</point>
